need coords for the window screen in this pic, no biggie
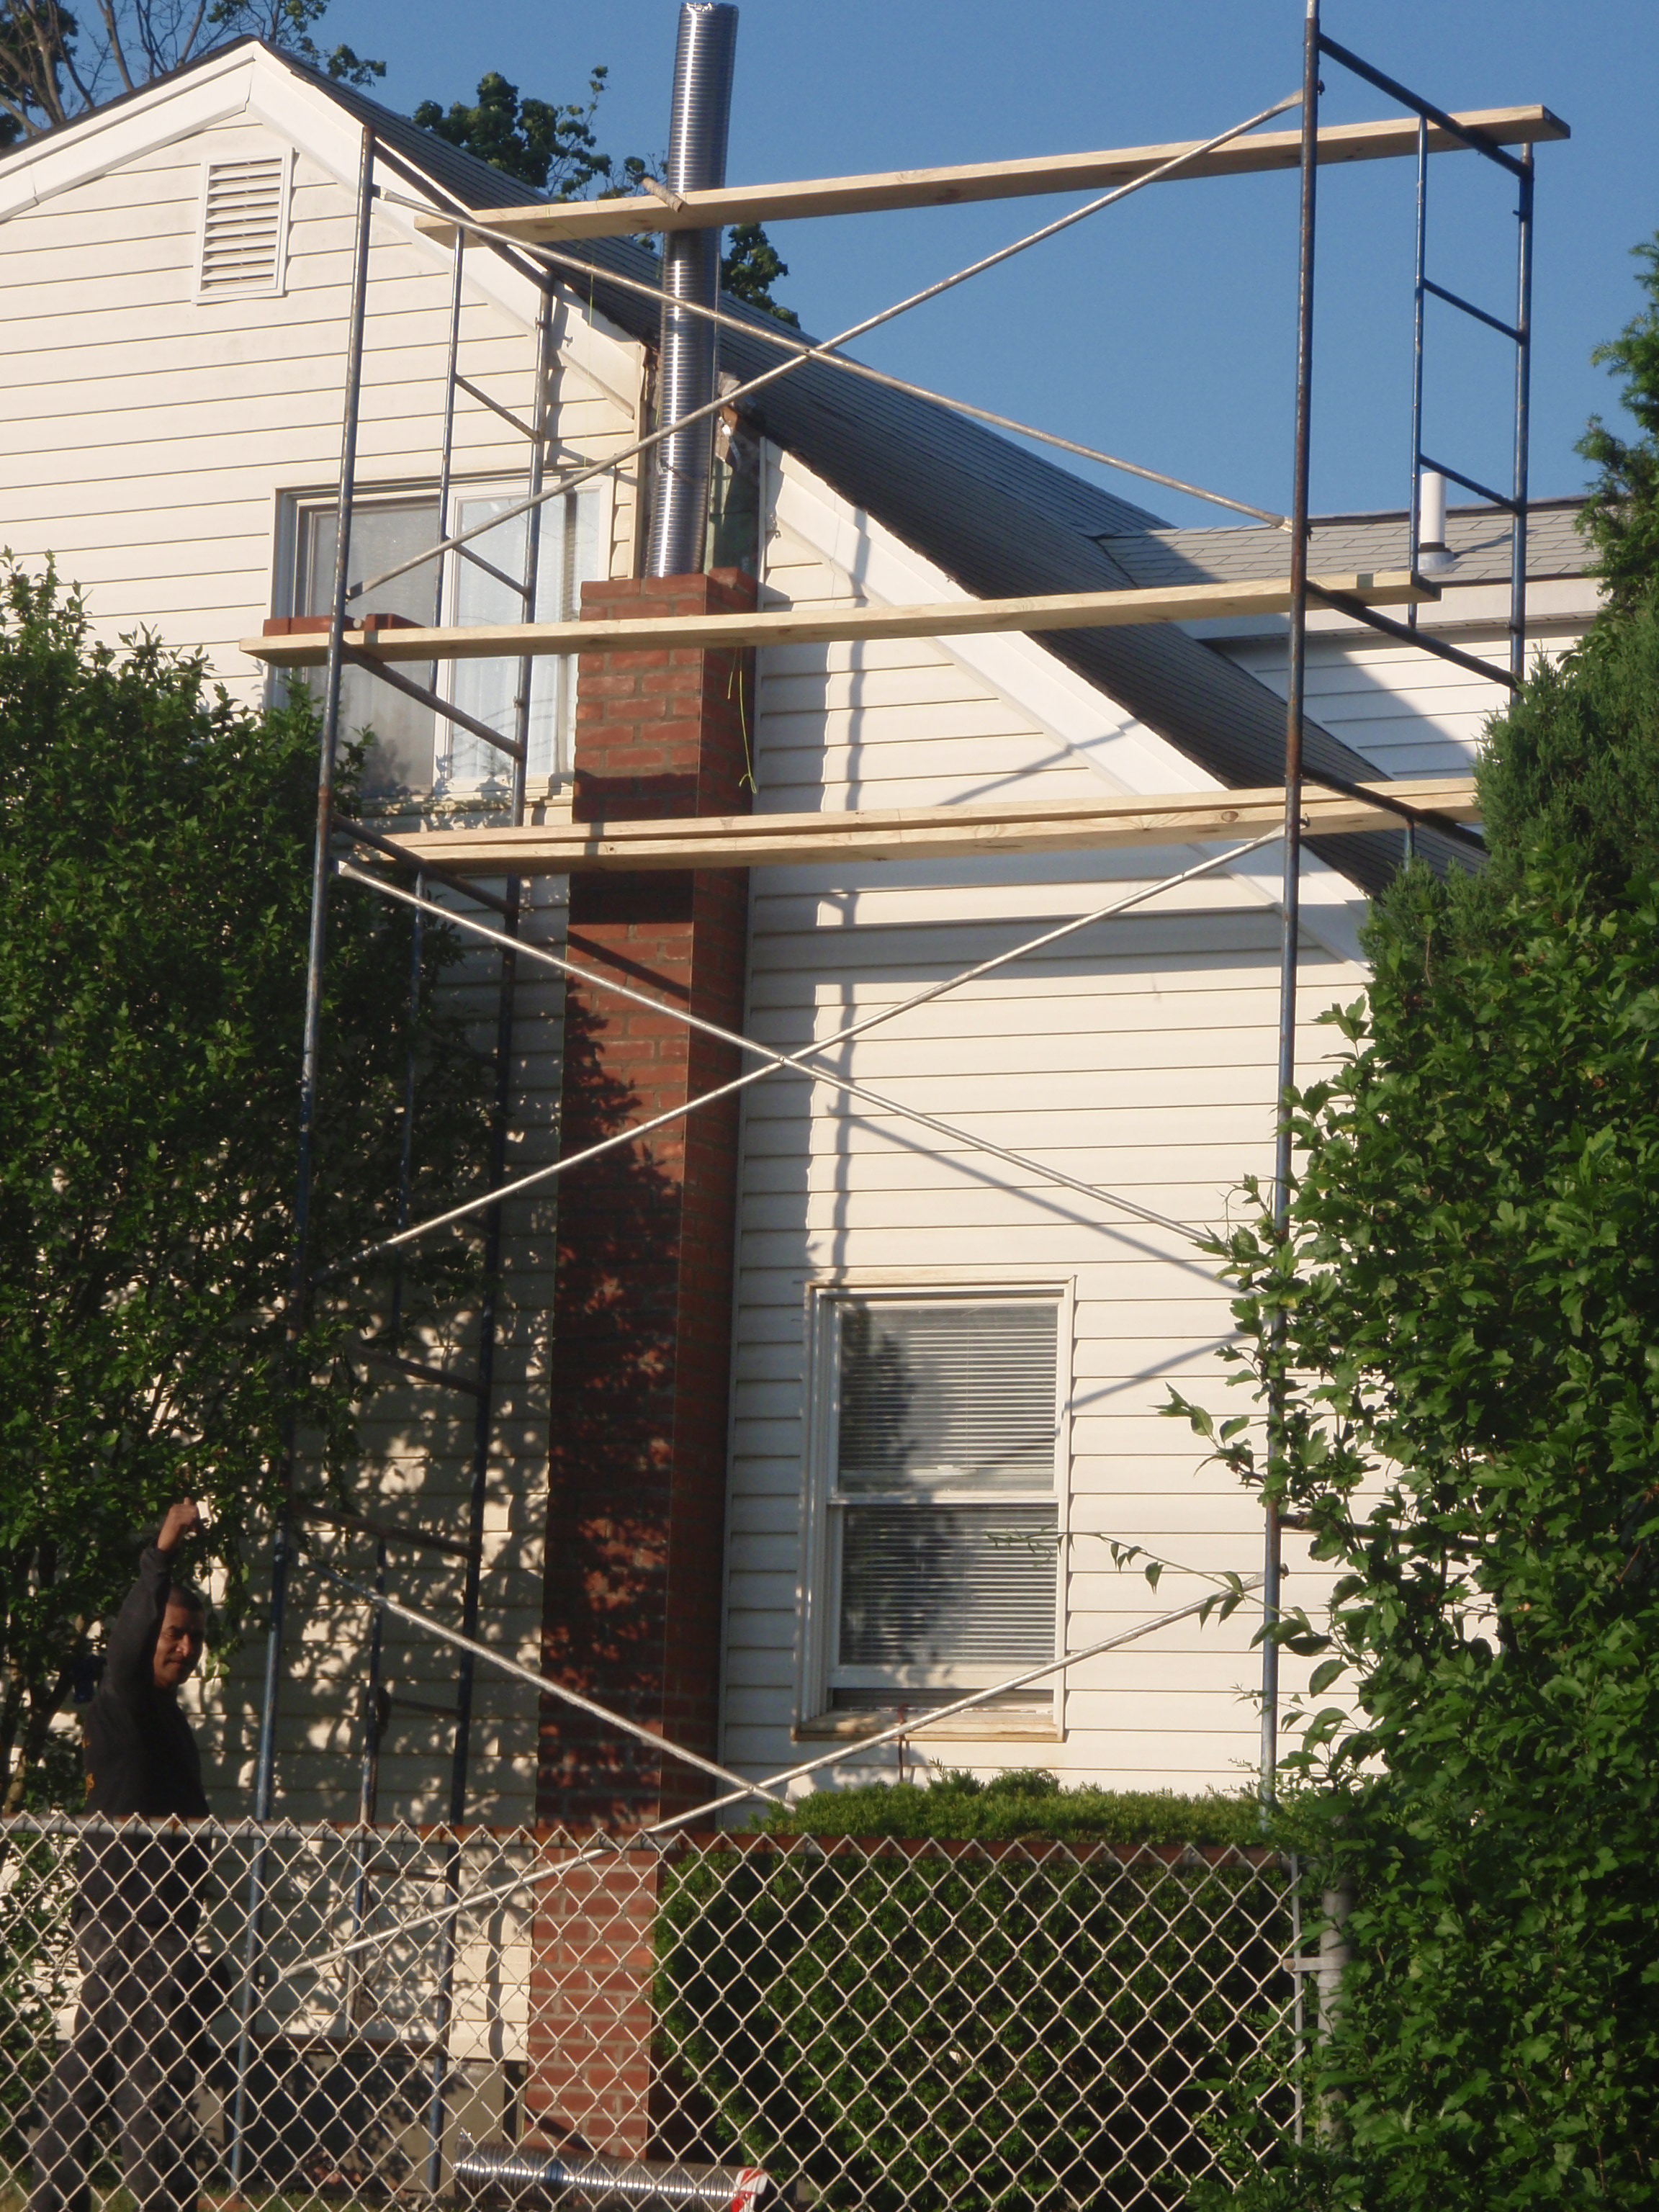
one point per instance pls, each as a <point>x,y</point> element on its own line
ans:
<point>942,1501</point>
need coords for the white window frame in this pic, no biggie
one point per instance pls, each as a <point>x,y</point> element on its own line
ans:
<point>560,668</point>
<point>295,506</point>
<point>819,1591</point>
<point>277,288</point>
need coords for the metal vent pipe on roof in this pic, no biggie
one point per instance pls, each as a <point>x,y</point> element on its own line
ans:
<point>1432,523</point>
<point>690,270</point>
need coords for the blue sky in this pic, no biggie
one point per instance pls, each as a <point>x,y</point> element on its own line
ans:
<point>1161,329</point>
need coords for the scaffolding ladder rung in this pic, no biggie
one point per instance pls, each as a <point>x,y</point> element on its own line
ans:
<point>384,1532</point>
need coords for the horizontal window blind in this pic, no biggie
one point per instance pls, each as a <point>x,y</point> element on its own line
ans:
<point>947,1586</point>
<point>947,1397</point>
<point>242,225</point>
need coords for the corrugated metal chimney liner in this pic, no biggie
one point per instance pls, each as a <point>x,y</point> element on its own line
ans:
<point>504,2166</point>
<point>696,162</point>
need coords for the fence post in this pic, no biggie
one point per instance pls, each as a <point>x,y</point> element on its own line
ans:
<point>1335,1904</point>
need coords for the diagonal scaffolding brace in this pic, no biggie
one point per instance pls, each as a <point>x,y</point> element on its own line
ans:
<point>805,1062</point>
<point>604,1844</point>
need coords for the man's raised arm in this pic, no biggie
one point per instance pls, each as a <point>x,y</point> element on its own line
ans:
<point>129,1652</point>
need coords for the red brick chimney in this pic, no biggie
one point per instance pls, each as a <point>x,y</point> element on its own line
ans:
<point>641,1326</point>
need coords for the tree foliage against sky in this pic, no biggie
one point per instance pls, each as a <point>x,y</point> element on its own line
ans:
<point>551,146</point>
<point>554,149</point>
<point>57,63</point>
<point>1463,1321</point>
<point>1622,518</point>
<point>155,853</point>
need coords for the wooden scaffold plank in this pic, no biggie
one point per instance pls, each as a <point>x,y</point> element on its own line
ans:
<point>926,833</point>
<point>838,621</point>
<point>886,190</point>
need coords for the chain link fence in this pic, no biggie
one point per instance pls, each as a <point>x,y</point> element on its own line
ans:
<point>287,2013</point>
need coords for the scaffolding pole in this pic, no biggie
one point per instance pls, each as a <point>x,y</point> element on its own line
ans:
<point>1290,896</point>
<point>300,1286</point>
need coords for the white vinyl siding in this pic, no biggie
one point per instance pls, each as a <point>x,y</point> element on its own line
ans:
<point>244,227</point>
<point>938,1509</point>
<point>1404,710</point>
<point>147,434</point>
<point>1138,1056</point>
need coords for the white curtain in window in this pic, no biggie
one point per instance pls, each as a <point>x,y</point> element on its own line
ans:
<point>568,555</point>
<point>383,533</point>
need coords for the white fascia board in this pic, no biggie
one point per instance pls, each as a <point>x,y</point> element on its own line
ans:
<point>598,351</point>
<point>216,93</point>
<point>1121,750</point>
<point>603,356</point>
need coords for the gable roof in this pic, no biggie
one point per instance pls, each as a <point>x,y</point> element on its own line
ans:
<point>1000,520</point>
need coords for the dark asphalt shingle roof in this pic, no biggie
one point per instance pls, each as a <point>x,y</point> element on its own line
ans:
<point>1478,537</point>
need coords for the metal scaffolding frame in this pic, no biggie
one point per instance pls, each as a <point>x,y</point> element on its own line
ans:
<point>336,836</point>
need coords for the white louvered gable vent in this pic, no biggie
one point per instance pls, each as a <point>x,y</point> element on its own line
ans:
<point>244,227</point>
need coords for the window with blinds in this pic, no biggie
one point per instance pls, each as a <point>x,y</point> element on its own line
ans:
<point>941,1503</point>
<point>244,227</point>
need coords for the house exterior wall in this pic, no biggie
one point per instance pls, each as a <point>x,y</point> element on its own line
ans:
<point>150,441</point>
<point>1140,1055</point>
<point>1407,710</point>
<point>147,435</point>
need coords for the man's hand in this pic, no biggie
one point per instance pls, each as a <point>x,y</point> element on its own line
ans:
<point>183,1519</point>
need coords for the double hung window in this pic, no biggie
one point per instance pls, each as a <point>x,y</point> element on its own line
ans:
<point>935,1501</point>
<point>416,750</point>
<point>384,532</point>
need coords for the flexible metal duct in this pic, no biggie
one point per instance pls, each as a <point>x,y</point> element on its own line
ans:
<point>498,2165</point>
<point>690,270</point>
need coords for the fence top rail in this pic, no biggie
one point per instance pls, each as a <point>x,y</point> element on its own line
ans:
<point>1082,1851</point>
<point>544,1840</point>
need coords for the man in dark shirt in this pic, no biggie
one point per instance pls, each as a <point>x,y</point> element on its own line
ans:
<point>137,1910</point>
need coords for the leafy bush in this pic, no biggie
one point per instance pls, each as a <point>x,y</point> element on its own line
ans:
<point>1463,1327</point>
<point>156,862</point>
<point>1026,1801</point>
<point>896,2024</point>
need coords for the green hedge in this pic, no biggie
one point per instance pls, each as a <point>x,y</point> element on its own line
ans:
<point>979,2024</point>
<point>1028,1801</point>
